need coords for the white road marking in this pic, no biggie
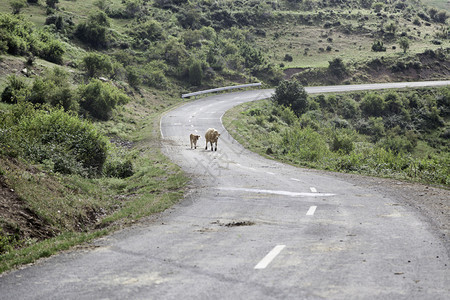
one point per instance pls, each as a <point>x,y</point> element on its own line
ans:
<point>270,173</point>
<point>269,257</point>
<point>285,193</point>
<point>313,189</point>
<point>311,211</point>
<point>295,179</point>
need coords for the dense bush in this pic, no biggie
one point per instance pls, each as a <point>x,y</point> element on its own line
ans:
<point>372,105</point>
<point>378,46</point>
<point>195,73</point>
<point>59,140</point>
<point>96,64</point>
<point>15,90</point>
<point>18,37</point>
<point>337,67</point>
<point>53,88</point>
<point>94,31</point>
<point>99,99</point>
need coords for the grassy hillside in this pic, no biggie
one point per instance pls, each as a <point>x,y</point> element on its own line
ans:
<point>83,83</point>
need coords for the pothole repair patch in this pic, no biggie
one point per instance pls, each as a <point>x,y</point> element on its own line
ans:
<point>234,223</point>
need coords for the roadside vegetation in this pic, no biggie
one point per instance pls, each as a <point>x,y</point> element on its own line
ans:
<point>400,134</point>
<point>83,83</point>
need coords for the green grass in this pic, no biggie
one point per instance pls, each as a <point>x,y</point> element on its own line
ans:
<point>266,132</point>
<point>441,4</point>
<point>308,44</point>
<point>68,203</point>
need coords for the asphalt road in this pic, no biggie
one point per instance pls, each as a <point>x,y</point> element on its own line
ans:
<point>250,228</point>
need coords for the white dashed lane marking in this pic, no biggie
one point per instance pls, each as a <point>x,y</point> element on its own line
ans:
<point>311,210</point>
<point>269,257</point>
<point>276,192</point>
<point>313,189</point>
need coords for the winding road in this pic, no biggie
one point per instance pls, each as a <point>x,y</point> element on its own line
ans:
<point>251,228</point>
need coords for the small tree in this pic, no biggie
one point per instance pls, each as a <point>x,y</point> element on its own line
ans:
<point>404,44</point>
<point>337,67</point>
<point>291,94</point>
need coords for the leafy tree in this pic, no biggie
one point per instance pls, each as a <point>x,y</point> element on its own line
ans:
<point>291,94</point>
<point>96,64</point>
<point>404,44</point>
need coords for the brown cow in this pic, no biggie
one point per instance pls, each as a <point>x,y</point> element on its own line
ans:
<point>211,136</point>
<point>194,139</point>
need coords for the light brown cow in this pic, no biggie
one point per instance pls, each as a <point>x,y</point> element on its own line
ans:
<point>211,136</point>
<point>194,139</point>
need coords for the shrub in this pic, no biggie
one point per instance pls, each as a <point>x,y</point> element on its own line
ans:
<point>118,169</point>
<point>372,105</point>
<point>96,64</point>
<point>378,46</point>
<point>99,99</point>
<point>373,127</point>
<point>133,77</point>
<point>342,142</point>
<point>288,58</point>
<point>54,88</point>
<point>397,144</point>
<point>348,108</point>
<point>53,51</point>
<point>404,44</point>
<point>17,5</point>
<point>51,3</point>
<point>304,144</point>
<point>94,31</point>
<point>291,94</point>
<point>195,73</point>
<point>151,30</point>
<point>337,67</point>
<point>56,138</point>
<point>15,90</point>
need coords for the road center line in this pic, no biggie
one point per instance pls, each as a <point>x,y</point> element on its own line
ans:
<point>313,189</point>
<point>269,257</point>
<point>311,210</point>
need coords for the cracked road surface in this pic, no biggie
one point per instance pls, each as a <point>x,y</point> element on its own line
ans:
<point>250,228</point>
